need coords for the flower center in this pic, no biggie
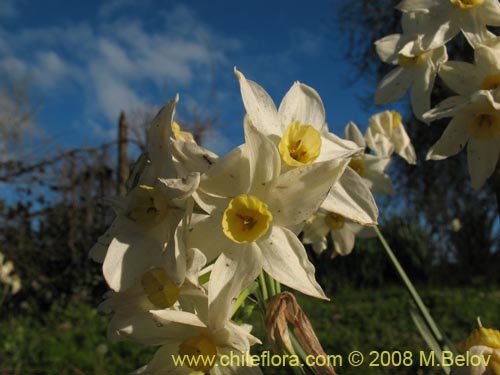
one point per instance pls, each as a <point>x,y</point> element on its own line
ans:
<point>397,119</point>
<point>147,205</point>
<point>300,145</point>
<point>246,219</point>
<point>161,292</point>
<point>485,126</point>
<point>181,135</point>
<point>201,351</point>
<point>490,82</point>
<point>358,164</point>
<point>411,61</point>
<point>466,4</point>
<point>334,221</point>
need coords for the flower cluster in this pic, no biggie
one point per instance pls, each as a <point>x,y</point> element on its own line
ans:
<point>420,55</point>
<point>195,230</point>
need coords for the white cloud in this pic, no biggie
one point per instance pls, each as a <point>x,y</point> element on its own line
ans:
<point>117,64</point>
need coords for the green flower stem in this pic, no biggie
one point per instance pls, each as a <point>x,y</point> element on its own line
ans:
<point>277,286</point>
<point>263,287</point>
<point>244,295</point>
<point>414,295</point>
<point>271,285</point>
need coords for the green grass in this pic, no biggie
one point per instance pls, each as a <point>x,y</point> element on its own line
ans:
<point>65,340</point>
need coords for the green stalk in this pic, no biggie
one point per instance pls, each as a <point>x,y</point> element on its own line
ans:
<point>277,286</point>
<point>263,287</point>
<point>271,285</point>
<point>414,294</point>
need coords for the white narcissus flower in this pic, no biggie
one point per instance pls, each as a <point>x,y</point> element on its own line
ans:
<point>149,215</point>
<point>386,134</point>
<point>475,122</point>
<point>465,78</point>
<point>299,131</point>
<point>342,231</point>
<point>157,290</point>
<point>441,20</point>
<point>252,206</point>
<point>189,346</point>
<point>416,71</point>
<point>370,167</point>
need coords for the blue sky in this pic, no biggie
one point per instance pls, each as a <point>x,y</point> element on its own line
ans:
<point>89,60</point>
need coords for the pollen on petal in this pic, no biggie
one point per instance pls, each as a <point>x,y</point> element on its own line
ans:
<point>300,144</point>
<point>246,219</point>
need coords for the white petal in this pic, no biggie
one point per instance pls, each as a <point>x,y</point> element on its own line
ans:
<point>233,271</point>
<point>334,147</point>
<point>351,198</point>
<point>298,193</point>
<point>380,183</point>
<point>259,106</point>
<point>264,159</point>
<point>388,48</point>
<point>352,133</point>
<point>302,103</point>
<point>491,12</point>
<point>446,108</point>
<point>148,329</point>
<point>195,261</point>
<point>189,157</point>
<point>453,139</point>
<point>402,145</point>
<point>474,29</point>
<point>393,86</point>
<point>207,236</point>
<point>229,176</point>
<point>131,253</point>
<point>461,77</point>
<point>487,59</point>
<point>315,231</point>
<point>343,240</point>
<point>482,158</point>
<point>420,93</point>
<point>236,337</point>
<point>179,189</point>
<point>158,145</point>
<point>285,259</point>
<point>174,318</point>
<point>98,252</point>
